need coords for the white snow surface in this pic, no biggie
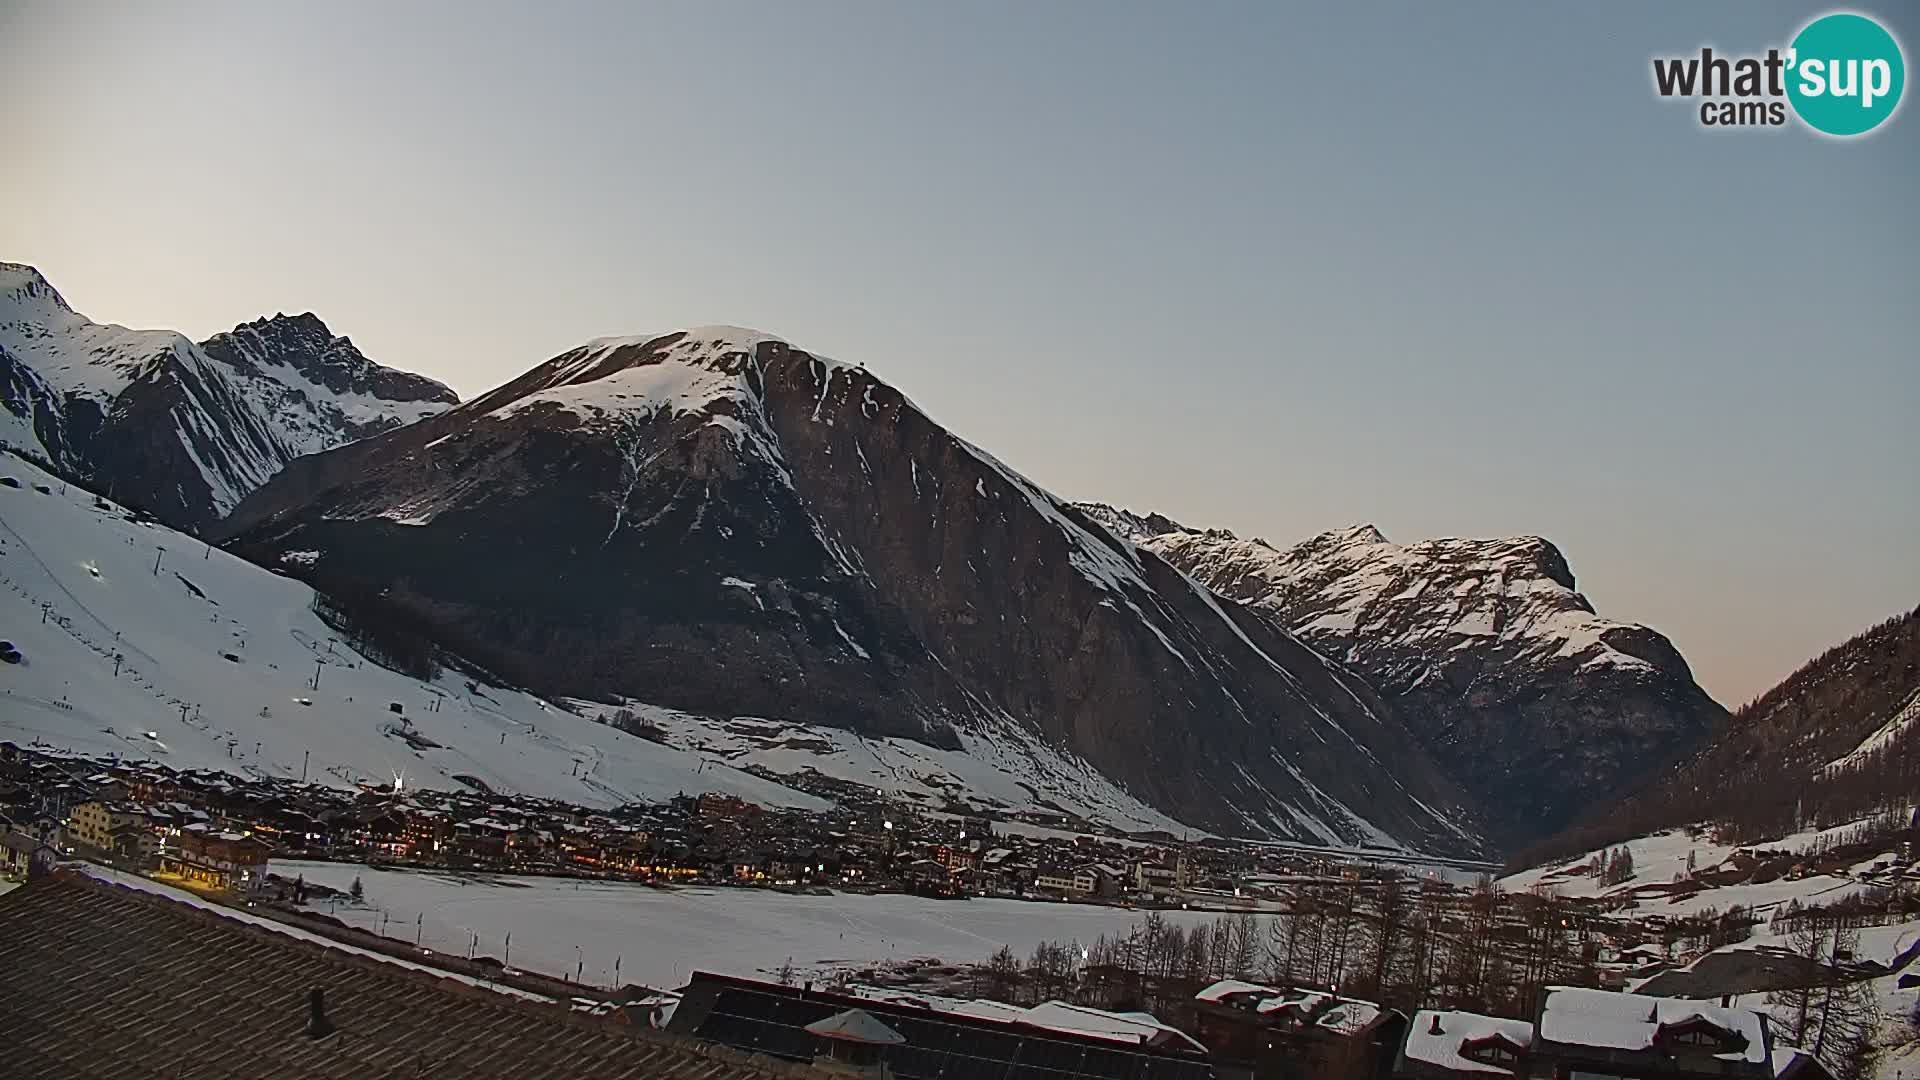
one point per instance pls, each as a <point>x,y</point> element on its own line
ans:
<point>661,936</point>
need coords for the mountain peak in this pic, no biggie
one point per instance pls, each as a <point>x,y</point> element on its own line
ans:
<point>683,371</point>
<point>1365,533</point>
<point>1130,526</point>
<point>304,343</point>
<point>22,285</point>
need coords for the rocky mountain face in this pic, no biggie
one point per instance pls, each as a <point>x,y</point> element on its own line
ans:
<point>718,522</point>
<point>1501,669</point>
<point>1836,742</point>
<point>179,429</point>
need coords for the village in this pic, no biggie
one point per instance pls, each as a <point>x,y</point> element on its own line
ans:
<point>218,830</point>
<point>1311,964</point>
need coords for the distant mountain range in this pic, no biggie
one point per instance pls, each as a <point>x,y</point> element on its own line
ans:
<point>719,523</point>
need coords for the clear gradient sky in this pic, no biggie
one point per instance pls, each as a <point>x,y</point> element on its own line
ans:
<point>1448,268</point>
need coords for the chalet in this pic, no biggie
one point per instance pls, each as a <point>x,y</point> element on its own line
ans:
<point>1792,1064</point>
<point>1156,878</point>
<point>1266,1033</point>
<point>107,787</point>
<point>716,805</point>
<point>1108,880</point>
<point>427,833</point>
<point>940,1038</point>
<point>136,842</point>
<point>93,823</point>
<point>16,854</point>
<point>1603,1033</point>
<point>1454,1045</point>
<point>1058,881</point>
<point>957,860</point>
<point>216,860</point>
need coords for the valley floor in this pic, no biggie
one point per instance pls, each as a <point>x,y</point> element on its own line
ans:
<point>659,936</point>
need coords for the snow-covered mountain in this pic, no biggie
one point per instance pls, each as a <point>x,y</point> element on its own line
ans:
<point>180,429</point>
<point>1498,665</point>
<point>218,658</point>
<point>720,523</point>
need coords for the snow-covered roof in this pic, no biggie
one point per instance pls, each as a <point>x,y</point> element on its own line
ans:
<point>1132,1028</point>
<point>1456,1029</point>
<point>1137,1029</point>
<point>1227,987</point>
<point>856,1025</point>
<point>1576,1016</point>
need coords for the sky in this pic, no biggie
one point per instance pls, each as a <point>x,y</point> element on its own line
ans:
<point>1448,269</point>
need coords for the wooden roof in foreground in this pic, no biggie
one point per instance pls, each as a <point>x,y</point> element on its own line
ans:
<point>100,981</point>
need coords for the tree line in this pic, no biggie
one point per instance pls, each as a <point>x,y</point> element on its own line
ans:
<point>1393,941</point>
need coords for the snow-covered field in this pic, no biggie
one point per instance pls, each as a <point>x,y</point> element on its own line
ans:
<point>660,936</point>
<point>219,658</point>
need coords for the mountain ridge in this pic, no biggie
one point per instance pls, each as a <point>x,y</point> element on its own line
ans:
<point>719,499</point>
<point>1501,667</point>
<point>183,429</point>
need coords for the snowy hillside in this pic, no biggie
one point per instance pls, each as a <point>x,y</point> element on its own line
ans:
<point>1011,771</point>
<point>219,658</point>
<point>181,429</point>
<point>1497,664</point>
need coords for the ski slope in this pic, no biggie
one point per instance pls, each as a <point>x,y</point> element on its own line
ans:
<point>78,584</point>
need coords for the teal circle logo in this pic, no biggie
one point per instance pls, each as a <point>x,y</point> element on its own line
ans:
<point>1845,74</point>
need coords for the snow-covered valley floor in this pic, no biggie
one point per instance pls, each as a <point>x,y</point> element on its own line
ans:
<point>660,936</point>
